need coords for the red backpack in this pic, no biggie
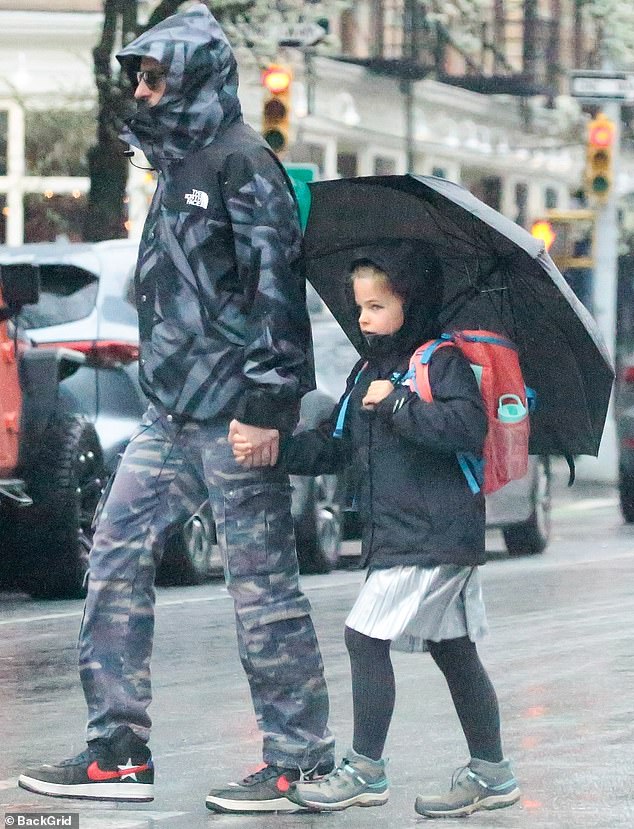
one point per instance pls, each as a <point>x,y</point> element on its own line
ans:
<point>506,399</point>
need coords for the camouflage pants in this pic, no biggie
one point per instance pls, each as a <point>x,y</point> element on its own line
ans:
<point>166,472</point>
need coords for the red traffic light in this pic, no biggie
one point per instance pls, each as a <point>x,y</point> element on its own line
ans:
<point>276,79</point>
<point>601,132</point>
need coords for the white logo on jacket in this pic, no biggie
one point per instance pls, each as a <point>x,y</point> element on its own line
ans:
<point>197,198</point>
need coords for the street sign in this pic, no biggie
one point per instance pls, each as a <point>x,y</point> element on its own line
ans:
<point>300,34</point>
<point>597,85</point>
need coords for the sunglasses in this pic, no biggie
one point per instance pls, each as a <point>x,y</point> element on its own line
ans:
<point>152,78</point>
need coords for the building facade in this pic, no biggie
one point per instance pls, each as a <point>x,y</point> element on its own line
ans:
<point>520,154</point>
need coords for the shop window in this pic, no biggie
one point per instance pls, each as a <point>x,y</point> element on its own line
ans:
<point>49,217</point>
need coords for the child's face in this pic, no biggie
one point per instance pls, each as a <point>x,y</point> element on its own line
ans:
<point>380,310</point>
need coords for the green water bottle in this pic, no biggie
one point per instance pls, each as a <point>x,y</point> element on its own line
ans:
<point>510,409</point>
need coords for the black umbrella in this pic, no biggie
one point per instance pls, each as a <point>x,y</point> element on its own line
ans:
<point>496,277</point>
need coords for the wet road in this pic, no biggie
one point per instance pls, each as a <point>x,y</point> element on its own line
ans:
<point>560,652</point>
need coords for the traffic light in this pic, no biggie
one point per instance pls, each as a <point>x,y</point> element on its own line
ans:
<point>542,229</point>
<point>276,113</point>
<point>599,151</point>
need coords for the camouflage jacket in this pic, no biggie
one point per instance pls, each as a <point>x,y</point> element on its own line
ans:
<point>224,330</point>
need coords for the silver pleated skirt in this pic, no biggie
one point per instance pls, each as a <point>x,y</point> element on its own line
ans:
<point>410,605</point>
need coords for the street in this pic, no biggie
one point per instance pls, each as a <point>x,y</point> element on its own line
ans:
<point>560,653</point>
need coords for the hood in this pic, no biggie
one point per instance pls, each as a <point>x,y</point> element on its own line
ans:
<point>201,95</point>
<point>416,275</point>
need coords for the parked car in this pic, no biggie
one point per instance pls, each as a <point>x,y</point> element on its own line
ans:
<point>51,466</point>
<point>87,304</point>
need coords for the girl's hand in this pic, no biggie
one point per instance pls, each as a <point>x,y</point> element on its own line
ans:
<point>378,390</point>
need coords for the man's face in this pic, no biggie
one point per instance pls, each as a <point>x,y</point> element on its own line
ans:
<point>151,82</point>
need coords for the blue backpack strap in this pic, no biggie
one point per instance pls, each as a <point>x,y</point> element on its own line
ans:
<point>427,353</point>
<point>341,417</point>
<point>489,338</point>
<point>473,470</point>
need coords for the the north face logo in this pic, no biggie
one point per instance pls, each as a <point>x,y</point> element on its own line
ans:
<point>197,198</point>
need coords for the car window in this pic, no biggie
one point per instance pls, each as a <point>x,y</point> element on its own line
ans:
<point>67,293</point>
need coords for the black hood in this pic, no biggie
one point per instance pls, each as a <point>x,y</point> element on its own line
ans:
<point>201,96</point>
<point>416,275</point>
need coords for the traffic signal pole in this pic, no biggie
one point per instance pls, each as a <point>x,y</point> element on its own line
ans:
<point>604,300</point>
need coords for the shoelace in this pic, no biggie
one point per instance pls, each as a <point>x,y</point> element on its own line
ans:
<point>456,776</point>
<point>344,768</point>
<point>265,773</point>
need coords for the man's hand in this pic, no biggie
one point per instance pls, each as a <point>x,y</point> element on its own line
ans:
<point>377,390</point>
<point>253,445</point>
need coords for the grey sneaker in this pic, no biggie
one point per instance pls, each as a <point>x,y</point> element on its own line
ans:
<point>357,781</point>
<point>480,785</point>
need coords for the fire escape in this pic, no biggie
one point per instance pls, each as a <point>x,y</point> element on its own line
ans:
<point>524,47</point>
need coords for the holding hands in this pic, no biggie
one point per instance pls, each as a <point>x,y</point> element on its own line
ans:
<point>253,445</point>
<point>377,390</point>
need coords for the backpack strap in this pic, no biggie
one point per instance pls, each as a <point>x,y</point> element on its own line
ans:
<point>341,417</point>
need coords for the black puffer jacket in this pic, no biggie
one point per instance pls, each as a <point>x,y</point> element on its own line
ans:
<point>224,330</point>
<point>415,504</point>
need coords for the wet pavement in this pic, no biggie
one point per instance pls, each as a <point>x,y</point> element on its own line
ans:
<point>560,652</point>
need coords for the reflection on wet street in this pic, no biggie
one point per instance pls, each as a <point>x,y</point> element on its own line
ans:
<point>560,652</point>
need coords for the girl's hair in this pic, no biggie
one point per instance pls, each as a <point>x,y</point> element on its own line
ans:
<point>374,272</point>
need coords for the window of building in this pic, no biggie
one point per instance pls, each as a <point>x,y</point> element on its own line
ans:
<point>439,172</point>
<point>309,154</point>
<point>4,212</point>
<point>384,166</point>
<point>49,217</point>
<point>347,165</point>
<point>4,140</point>
<point>57,142</point>
<point>492,191</point>
<point>521,202</point>
<point>551,198</point>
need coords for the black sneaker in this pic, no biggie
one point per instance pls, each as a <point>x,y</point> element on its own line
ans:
<point>118,767</point>
<point>264,791</point>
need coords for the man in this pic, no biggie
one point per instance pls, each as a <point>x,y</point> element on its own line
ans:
<point>224,343</point>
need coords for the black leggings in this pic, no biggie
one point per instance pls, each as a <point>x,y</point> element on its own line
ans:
<point>373,694</point>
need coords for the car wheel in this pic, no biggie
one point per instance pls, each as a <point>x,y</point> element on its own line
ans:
<point>626,496</point>
<point>532,536</point>
<point>65,480</point>
<point>318,527</point>
<point>186,560</point>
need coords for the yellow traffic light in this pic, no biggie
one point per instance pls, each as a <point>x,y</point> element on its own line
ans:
<point>599,152</point>
<point>276,112</point>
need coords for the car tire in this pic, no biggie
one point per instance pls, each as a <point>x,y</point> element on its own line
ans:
<point>531,537</point>
<point>186,560</point>
<point>65,480</point>
<point>626,497</point>
<point>318,528</point>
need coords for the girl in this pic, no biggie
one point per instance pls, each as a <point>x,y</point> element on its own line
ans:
<point>423,534</point>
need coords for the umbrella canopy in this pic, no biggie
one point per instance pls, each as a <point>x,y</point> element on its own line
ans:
<point>496,277</point>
